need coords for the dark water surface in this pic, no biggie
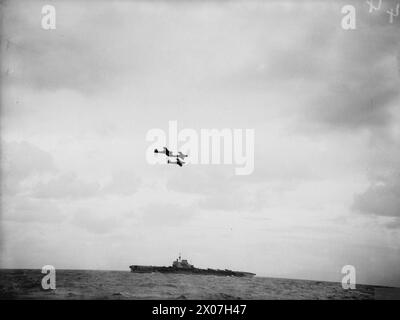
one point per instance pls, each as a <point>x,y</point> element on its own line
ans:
<point>91,284</point>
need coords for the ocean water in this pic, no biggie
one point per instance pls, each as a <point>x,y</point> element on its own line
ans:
<point>91,284</point>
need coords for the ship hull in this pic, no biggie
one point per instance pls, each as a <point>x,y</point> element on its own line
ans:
<point>215,272</point>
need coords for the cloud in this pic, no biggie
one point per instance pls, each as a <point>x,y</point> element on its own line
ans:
<point>202,180</point>
<point>361,101</point>
<point>98,223</point>
<point>382,198</point>
<point>122,183</point>
<point>167,214</point>
<point>27,168</point>
<point>238,201</point>
<point>58,59</point>
<point>358,82</point>
<point>394,224</point>
<point>21,161</point>
<point>66,186</point>
<point>217,188</point>
<point>338,79</point>
<point>70,186</point>
<point>25,210</point>
<point>352,76</point>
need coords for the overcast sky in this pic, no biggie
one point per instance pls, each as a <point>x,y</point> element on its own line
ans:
<point>78,101</point>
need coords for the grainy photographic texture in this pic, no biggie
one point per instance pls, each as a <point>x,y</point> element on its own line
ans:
<point>200,149</point>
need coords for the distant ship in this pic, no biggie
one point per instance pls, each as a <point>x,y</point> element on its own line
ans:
<point>183,266</point>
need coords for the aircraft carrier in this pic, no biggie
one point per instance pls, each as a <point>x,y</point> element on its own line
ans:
<point>183,266</point>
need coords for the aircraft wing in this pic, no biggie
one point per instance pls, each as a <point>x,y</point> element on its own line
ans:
<point>167,152</point>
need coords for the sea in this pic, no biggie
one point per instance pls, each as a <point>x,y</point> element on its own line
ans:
<point>95,284</point>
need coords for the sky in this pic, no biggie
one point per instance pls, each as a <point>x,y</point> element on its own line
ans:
<point>78,101</point>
